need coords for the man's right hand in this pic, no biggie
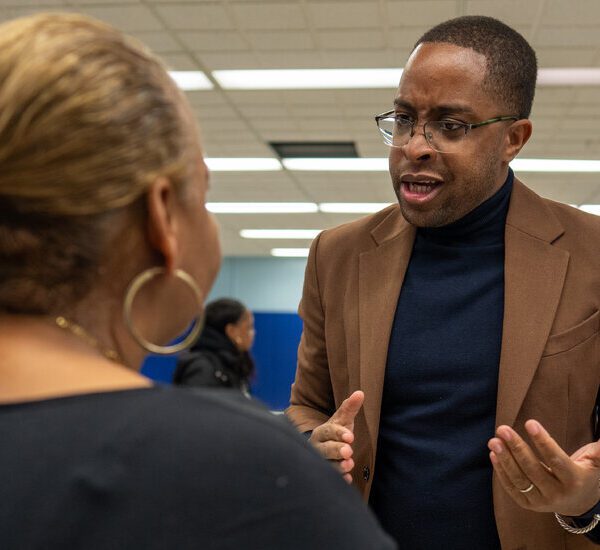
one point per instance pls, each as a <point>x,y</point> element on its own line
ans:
<point>334,438</point>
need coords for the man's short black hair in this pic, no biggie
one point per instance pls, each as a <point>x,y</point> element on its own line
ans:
<point>511,61</point>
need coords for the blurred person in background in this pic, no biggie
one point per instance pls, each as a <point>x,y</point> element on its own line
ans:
<point>106,253</point>
<point>221,356</point>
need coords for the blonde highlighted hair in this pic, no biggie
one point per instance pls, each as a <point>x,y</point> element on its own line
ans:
<point>88,119</point>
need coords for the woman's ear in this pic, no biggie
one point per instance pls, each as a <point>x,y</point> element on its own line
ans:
<point>162,224</point>
<point>518,135</point>
<point>231,331</point>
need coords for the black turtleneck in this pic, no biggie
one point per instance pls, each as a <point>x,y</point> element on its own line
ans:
<point>432,487</point>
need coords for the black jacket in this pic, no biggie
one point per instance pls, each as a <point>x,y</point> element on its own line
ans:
<point>214,361</point>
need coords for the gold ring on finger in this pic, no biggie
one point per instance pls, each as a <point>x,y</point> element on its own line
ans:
<point>531,486</point>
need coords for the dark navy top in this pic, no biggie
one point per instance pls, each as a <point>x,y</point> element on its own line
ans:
<point>432,487</point>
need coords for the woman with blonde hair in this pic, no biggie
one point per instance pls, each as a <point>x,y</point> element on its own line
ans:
<point>107,252</point>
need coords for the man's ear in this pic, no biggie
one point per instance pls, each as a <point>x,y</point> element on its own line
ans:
<point>517,136</point>
<point>162,225</point>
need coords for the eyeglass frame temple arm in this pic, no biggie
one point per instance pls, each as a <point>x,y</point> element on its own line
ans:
<point>492,120</point>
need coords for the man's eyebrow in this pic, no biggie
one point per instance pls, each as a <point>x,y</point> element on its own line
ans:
<point>448,108</point>
<point>401,103</point>
<point>454,108</point>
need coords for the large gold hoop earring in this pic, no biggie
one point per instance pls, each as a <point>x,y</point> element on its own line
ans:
<point>134,287</point>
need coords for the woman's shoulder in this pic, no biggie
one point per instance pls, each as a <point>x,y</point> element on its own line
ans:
<point>195,449</point>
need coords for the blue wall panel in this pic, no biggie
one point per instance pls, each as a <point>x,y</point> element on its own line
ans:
<point>159,368</point>
<point>275,352</point>
<point>271,288</point>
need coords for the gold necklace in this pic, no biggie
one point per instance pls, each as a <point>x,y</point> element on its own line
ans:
<point>80,332</point>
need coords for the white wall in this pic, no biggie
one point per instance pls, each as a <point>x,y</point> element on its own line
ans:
<point>263,284</point>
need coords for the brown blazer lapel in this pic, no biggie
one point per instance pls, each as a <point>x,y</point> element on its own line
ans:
<point>534,274</point>
<point>381,272</point>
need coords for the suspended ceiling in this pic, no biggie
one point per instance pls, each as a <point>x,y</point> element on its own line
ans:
<point>284,34</point>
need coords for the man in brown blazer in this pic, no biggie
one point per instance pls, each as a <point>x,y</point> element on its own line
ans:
<point>469,308</point>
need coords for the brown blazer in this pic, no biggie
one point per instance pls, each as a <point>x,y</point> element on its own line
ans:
<point>550,358</point>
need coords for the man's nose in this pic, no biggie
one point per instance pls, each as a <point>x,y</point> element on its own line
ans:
<point>417,147</point>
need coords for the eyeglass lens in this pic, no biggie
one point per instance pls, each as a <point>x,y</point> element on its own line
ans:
<point>442,136</point>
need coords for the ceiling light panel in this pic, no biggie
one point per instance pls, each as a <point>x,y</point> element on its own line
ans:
<point>279,233</point>
<point>591,208</point>
<point>305,79</point>
<point>233,164</point>
<point>555,165</point>
<point>352,207</point>
<point>300,79</point>
<point>290,252</point>
<point>191,80</point>
<point>337,164</point>
<point>262,207</point>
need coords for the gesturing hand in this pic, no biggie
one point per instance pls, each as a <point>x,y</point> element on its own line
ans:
<point>334,438</point>
<point>556,483</point>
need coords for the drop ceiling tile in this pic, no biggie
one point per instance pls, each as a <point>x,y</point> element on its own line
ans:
<point>302,59</point>
<point>206,16</point>
<point>220,133</point>
<point>213,41</point>
<point>285,134</point>
<point>281,40</point>
<point>158,41</point>
<point>255,149</point>
<point>273,221</point>
<point>30,3</point>
<point>304,97</point>
<point>512,12</point>
<point>344,39</point>
<point>206,97</point>
<point>231,60</point>
<point>560,95</point>
<point>311,111</point>
<point>225,113</point>
<point>264,111</point>
<point>129,18</point>
<point>253,179</point>
<point>181,1</point>
<point>256,97</point>
<point>259,15</point>
<point>587,94</point>
<point>581,36</point>
<point>365,100</point>
<point>560,187</point>
<point>564,13</point>
<point>420,12</point>
<point>12,12</point>
<point>351,57</point>
<point>364,126</point>
<point>344,15</point>
<point>100,2</point>
<point>405,37</point>
<point>318,125</point>
<point>311,179</point>
<point>180,61</point>
<point>367,190</point>
<point>238,192</point>
<point>268,124</point>
<point>567,57</point>
<point>583,110</point>
<point>372,148</point>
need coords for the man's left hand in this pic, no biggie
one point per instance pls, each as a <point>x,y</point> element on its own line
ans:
<point>567,485</point>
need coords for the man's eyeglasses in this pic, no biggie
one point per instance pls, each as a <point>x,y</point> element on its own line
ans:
<point>444,136</point>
